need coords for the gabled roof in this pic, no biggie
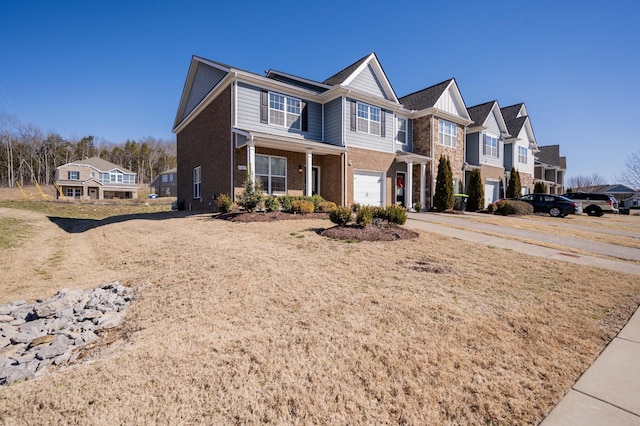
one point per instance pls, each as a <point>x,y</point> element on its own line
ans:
<point>101,165</point>
<point>350,73</point>
<point>480,113</point>
<point>425,98</point>
<point>515,116</point>
<point>433,100</point>
<point>549,154</point>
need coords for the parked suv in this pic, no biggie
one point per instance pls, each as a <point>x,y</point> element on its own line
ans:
<point>594,204</point>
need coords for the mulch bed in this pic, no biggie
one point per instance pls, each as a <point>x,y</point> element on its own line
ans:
<point>384,232</point>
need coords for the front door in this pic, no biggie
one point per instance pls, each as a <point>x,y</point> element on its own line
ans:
<point>93,193</point>
<point>400,188</point>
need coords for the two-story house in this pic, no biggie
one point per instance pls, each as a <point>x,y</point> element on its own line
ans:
<point>95,179</point>
<point>347,138</point>
<point>485,148</point>
<point>165,183</point>
<point>550,168</point>
<point>520,147</point>
<point>439,118</point>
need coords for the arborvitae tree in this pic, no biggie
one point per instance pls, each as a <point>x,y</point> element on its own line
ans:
<point>518,185</point>
<point>475,191</point>
<point>251,198</point>
<point>540,188</point>
<point>511,187</point>
<point>443,197</point>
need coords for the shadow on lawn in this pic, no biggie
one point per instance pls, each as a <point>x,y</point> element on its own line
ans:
<point>77,226</point>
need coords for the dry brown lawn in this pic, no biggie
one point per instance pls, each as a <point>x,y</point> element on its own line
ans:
<point>273,323</point>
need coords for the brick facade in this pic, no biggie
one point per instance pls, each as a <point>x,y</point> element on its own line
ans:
<point>206,142</point>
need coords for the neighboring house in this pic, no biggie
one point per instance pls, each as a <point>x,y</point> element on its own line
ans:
<point>485,148</point>
<point>95,179</point>
<point>439,121</point>
<point>551,168</point>
<point>520,147</point>
<point>165,183</point>
<point>347,138</point>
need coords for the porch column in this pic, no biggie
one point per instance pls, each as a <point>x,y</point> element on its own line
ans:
<point>251,160</point>
<point>309,174</point>
<point>409,186</point>
<point>423,184</point>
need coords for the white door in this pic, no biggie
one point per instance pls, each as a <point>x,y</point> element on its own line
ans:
<point>368,188</point>
<point>490,192</point>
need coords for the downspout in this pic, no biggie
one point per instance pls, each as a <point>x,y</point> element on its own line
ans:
<point>234,112</point>
<point>433,152</point>
<point>345,181</point>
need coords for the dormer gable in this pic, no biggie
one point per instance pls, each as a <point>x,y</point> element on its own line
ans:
<point>365,75</point>
<point>488,116</point>
<point>442,99</point>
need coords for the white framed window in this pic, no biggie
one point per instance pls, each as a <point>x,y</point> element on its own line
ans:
<point>401,134</point>
<point>271,172</point>
<point>197,171</point>
<point>73,192</point>
<point>115,177</point>
<point>490,146</point>
<point>171,177</point>
<point>447,133</point>
<point>522,155</point>
<point>368,119</point>
<point>165,178</point>
<point>74,175</point>
<point>284,111</point>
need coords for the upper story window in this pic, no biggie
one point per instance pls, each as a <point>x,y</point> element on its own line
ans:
<point>522,155</point>
<point>74,175</point>
<point>368,119</point>
<point>165,178</point>
<point>284,111</point>
<point>490,146</point>
<point>401,134</point>
<point>447,133</point>
<point>271,172</point>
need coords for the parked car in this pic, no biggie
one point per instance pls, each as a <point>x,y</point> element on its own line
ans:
<point>594,204</point>
<point>555,205</point>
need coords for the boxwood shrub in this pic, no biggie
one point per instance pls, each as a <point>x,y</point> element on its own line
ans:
<point>340,215</point>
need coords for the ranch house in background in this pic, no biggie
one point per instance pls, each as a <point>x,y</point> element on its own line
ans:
<point>95,179</point>
<point>348,138</point>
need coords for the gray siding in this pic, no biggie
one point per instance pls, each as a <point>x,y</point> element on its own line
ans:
<point>366,140</point>
<point>333,122</point>
<point>473,148</point>
<point>368,82</point>
<point>206,78</point>
<point>492,125</point>
<point>248,103</point>
<point>508,156</point>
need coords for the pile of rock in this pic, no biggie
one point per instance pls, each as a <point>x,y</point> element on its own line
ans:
<point>34,336</point>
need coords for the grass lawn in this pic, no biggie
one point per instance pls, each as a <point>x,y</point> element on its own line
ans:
<point>272,323</point>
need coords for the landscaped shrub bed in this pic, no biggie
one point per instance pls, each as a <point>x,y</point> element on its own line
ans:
<point>510,207</point>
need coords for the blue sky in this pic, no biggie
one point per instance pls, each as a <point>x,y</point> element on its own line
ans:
<point>116,69</point>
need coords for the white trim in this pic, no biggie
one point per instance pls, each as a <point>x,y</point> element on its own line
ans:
<point>285,111</point>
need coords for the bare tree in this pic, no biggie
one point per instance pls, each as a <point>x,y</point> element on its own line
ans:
<point>8,126</point>
<point>585,183</point>
<point>631,172</point>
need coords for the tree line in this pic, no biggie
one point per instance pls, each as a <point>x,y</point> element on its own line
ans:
<point>30,155</point>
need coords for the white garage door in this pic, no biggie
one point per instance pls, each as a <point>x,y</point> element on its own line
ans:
<point>368,188</point>
<point>490,192</point>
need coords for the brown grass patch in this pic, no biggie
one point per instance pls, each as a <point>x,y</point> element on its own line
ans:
<point>273,323</point>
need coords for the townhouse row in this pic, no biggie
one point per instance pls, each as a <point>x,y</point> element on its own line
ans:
<point>348,138</point>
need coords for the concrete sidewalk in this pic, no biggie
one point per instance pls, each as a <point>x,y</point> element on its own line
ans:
<point>608,393</point>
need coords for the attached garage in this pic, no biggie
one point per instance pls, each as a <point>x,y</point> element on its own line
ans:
<point>491,192</point>
<point>368,188</point>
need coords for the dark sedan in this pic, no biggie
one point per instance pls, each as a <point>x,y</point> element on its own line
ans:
<point>555,205</point>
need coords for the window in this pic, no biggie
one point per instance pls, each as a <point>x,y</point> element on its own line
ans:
<point>271,172</point>
<point>368,119</point>
<point>73,192</point>
<point>171,177</point>
<point>490,146</point>
<point>447,134</point>
<point>401,135</point>
<point>165,178</point>
<point>284,111</point>
<point>115,177</point>
<point>74,175</point>
<point>522,155</point>
<point>196,182</point>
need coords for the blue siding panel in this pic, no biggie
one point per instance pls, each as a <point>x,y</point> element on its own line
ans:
<point>473,148</point>
<point>368,82</point>
<point>206,78</point>
<point>333,127</point>
<point>248,104</point>
<point>508,156</point>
